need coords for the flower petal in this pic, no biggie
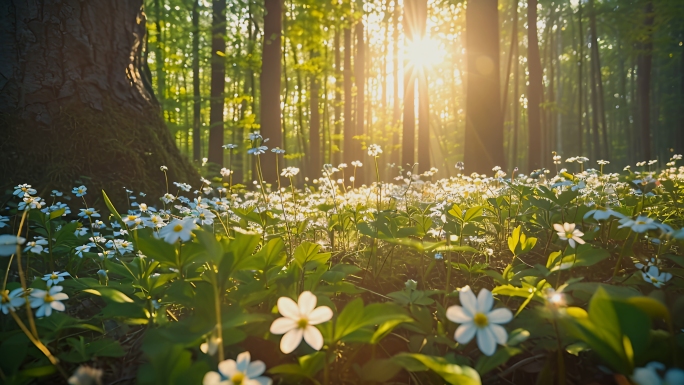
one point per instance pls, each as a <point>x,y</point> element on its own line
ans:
<point>211,378</point>
<point>465,333</point>
<point>260,381</point>
<point>485,301</point>
<point>306,302</point>
<point>500,316</point>
<point>288,308</point>
<point>60,297</point>
<point>458,314</point>
<point>283,325</point>
<point>485,341</point>
<point>313,337</point>
<point>57,305</point>
<point>228,368</point>
<point>319,315</point>
<point>255,369</point>
<point>558,227</point>
<point>468,300</point>
<point>499,333</point>
<point>291,340</point>
<point>242,362</point>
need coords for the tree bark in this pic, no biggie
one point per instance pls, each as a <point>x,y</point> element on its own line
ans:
<point>348,155</point>
<point>360,81</point>
<point>396,108</point>
<point>408,141</point>
<point>535,90</point>
<point>644,64</point>
<point>197,101</point>
<point>423,97</point>
<point>75,100</point>
<point>270,85</point>
<point>336,147</point>
<point>484,127</point>
<point>596,65</point>
<point>314,125</point>
<point>218,82</point>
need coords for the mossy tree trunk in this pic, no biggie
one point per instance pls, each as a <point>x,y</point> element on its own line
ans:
<point>76,104</point>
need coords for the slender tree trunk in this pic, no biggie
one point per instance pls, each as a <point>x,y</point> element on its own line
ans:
<point>535,90</point>
<point>100,121</point>
<point>408,146</point>
<point>270,85</point>
<point>314,125</point>
<point>423,96</point>
<point>348,154</point>
<point>580,61</point>
<point>360,80</point>
<point>336,146</point>
<point>160,60</point>
<point>197,99</point>
<point>596,65</point>
<point>516,108</point>
<point>396,107</point>
<point>514,42</point>
<point>645,62</point>
<point>484,127</point>
<point>218,81</point>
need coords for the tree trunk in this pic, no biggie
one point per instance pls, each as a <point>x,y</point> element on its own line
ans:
<point>535,90</point>
<point>159,55</point>
<point>423,97</point>
<point>644,65</point>
<point>218,81</point>
<point>197,101</point>
<point>348,155</point>
<point>580,60</point>
<point>408,140</point>
<point>484,127</point>
<point>336,146</point>
<point>314,125</point>
<point>75,100</point>
<point>396,108</point>
<point>360,81</point>
<point>596,65</point>
<point>270,86</point>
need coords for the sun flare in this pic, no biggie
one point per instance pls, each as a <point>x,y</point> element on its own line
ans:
<point>424,53</point>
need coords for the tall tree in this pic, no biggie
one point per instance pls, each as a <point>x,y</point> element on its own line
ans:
<point>100,121</point>
<point>348,155</point>
<point>535,90</point>
<point>160,54</point>
<point>484,127</point>
<point>408,141</point>
<point>336,145</point>
<point>644,64</point>
<point>218,81</point>
<point>196,96</point>
<point>396,108</point>
<point>315,123</point>
<point>597,79</point>
<point>270,85</point>
<point>423,95</point>
<point>360,81</point>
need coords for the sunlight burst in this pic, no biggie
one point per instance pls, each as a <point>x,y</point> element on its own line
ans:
<point>424,53</point>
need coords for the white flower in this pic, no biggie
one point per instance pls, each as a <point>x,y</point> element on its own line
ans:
<point>290,172</point>
<point>178,229</point>
<point>54,278</point>
<point>299,320</point>
<point>476,317</point>
<point>132,220</point>
<point>639,225</point>
<point>168,198</point>
<point>48,300</point>
<point>30,203</point>
<point>374,150</point>
<point>163,168</point>
<point>568,232</point>
<point>278,150</point>
<point>230,146</point>
<point>654,276</point>
<point>8,244</point>
<point>10,300</point>
<point>183,186</point>
<point>257,150</point>
<point>88,213</point>
<point>154,221</point>
<point>601,215</point>
<point>24,190</point>
<point>356,163</point>
<point>81,249</point>
<point>648,375</point>
<point>36,246</point>
<point>240,372</point>
<point>80,191</point>
<point>225,172</point>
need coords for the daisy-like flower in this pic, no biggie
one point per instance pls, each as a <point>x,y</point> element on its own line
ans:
<point>230,146</point>
<point>298,322</point>
<point>356,163</point>
<point>477,318</point>
<point>48,300</point>
<point>183,186</point>
<point>648,375</point>
<point>55,278</point>
<point>257,150</point>
<point>289,172</point>
<point>374,150</point>
<point>225,172</point>
<point>163,168</point>
<point>30,202</point>
<point>132,220</point>
<point>277,150</point>
<point>24,190</point>
<point>568,232</point>
<point>639,225</point>
<point>10,300</point>
<point>240,372</point>
<point>88,213</point>
<point>178,229</point>
<point>656,277</point>
<point>81,249</point>
<point>36,246</point>
<point>154,221</point>
<point>168,198</point>
<point>80,191</point>
<point>8,244</point>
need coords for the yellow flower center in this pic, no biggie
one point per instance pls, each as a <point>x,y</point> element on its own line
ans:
<point>480,320</point>
<point>178,228</point>
<point>302,323</point>
<point>48,298</point>
<point>237,378</point>
<point>5,296</point>
<point>641,222</point>
<point>654,279</point>
<point>131,217</point>
<point>53,276</point>
<point>568,235</point>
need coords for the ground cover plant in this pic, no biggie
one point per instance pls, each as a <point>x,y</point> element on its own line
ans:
<point>564,276</point>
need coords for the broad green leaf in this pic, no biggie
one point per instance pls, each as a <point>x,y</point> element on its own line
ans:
<point>451,373</point>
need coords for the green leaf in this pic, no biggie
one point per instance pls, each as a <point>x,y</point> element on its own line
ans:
<point>473,213</point>
<point>379,370</point>
<point>451,373</point>
<point>109,293</point>
<point>350,319</point>
<point>487,363</point>
<point>111,208</point>
<point>585,255</point>
<point>308,252</point>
